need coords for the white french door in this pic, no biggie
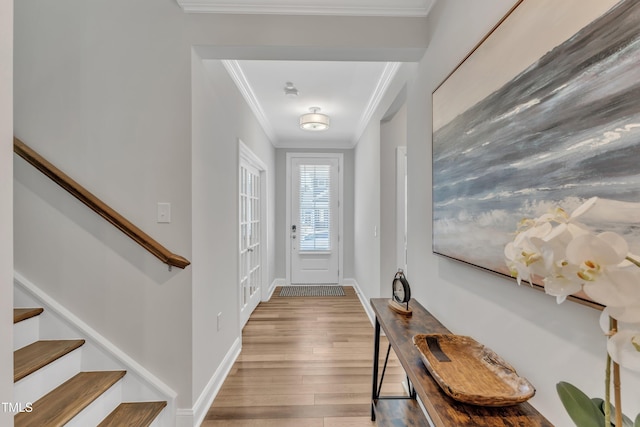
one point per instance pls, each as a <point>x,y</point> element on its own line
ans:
<point>314,219</point>
<point>250,240</point>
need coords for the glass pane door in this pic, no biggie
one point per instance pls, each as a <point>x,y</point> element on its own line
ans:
<point>250,232</point>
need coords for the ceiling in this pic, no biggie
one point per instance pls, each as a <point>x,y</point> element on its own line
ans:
<point>348,92</point>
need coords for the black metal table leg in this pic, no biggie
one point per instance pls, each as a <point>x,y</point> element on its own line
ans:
<point>384,369</point>
<point>376,355</point>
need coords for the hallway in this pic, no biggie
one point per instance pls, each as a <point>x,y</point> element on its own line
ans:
<point>304,362</point>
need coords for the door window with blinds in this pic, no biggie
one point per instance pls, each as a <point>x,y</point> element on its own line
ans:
<point>315,219</point>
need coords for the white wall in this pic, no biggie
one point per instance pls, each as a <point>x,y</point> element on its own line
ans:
<point>393,134</point>
<point>102,91</point>
<point>367,211</point>
<point>6,206</point>
<point>367,202</point>
<point>220,117</point>
<point>544,341</point>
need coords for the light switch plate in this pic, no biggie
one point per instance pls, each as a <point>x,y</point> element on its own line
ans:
<point>164,212</point>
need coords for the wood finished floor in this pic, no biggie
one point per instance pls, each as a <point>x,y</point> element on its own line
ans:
<point>304,362</point>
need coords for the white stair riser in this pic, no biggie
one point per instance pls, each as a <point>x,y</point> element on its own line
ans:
<point>26,332</point>
<point>45,379</point>
<point>163,419</point>
<point>96,354</point>
<point>158,421</point>
<point>99,409</point>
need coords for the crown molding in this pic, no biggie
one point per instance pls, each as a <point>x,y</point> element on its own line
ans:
<point>390,70</point>
<point>238,76</point>
<point>369,8</point>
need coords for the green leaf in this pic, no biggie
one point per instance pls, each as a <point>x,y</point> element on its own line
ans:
<point>626,421</point>
<point>637,423</point>
<point>582,410</point>
<point>599,403</point>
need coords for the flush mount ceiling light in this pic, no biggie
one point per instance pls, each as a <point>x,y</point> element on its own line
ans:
<point>290,90</point>
<point>314,121</point>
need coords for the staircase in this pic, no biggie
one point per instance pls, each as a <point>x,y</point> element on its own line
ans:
<point>53,390</point>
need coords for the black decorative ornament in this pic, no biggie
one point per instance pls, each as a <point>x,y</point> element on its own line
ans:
<point>401,294</point>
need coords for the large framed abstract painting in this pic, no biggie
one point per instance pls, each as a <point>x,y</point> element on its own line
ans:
<point>544,112</point>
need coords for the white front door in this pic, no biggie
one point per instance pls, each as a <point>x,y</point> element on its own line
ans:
<point>314,219</point>
<point>250,240</point>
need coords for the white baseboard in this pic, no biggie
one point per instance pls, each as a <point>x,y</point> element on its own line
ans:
<point>272,287</point>
<point>195,416</point>
<point>362,297</point>
<point>184,418</point>
<point>90,334</point>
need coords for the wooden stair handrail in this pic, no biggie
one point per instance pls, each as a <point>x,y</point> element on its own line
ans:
<point>98,206</point>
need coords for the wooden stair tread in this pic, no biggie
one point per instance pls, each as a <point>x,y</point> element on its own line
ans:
<point>138,414</point>
<point>20,314</point>
<point>64,402</point>
<point>40,353</point>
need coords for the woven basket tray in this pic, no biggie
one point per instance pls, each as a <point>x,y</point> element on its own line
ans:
<point>471,373</point>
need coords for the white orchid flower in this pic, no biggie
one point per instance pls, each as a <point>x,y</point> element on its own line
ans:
<point>627,314</point>
<point>539,248</point>
<point>624,345</point>
<point>570,258</point>
<point>519,259</point>
<point>628,318</point>
<point>598,259</point>
<point>606,248</point>
<point>615,287</point>
<point>560,216</point>
<point>563,282</point>
<point>583,208</point>
<point>528,254</point>
<point>624,349</point>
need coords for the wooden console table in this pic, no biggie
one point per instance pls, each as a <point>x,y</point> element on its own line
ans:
<point>442,410</point>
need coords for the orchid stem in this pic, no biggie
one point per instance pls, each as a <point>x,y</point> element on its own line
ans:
<point>634,261</point>
<point>617,394</point>
<point>607,387</point>
<point>607,394</point>
<point>616,377</point>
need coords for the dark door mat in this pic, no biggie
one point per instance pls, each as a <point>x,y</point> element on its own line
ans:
<point>312,291</point>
